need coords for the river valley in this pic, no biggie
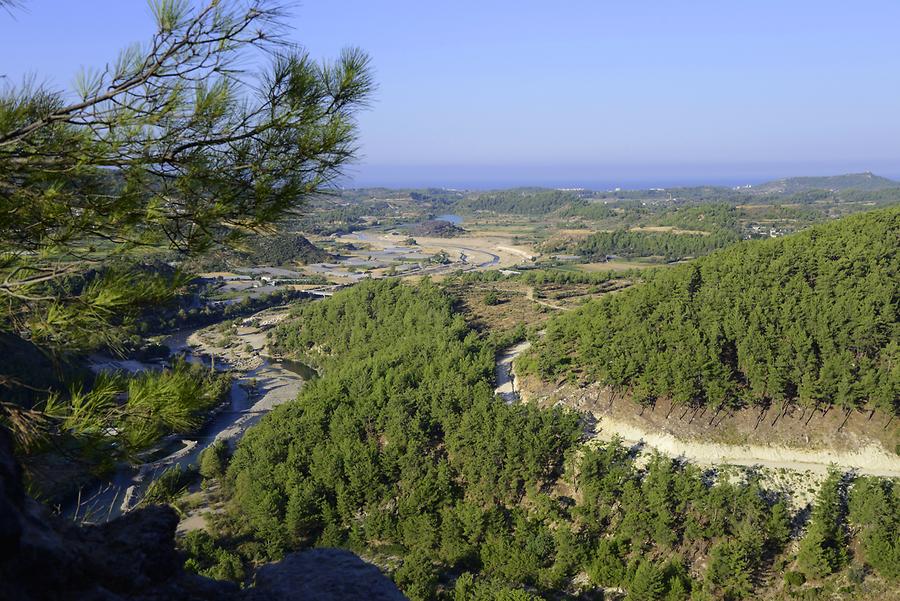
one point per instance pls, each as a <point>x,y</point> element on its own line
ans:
<point>259,384</point>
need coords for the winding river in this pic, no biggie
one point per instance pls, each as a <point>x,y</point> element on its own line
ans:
<point>273,382</point>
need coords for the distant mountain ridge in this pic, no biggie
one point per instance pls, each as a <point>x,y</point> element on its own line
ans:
<point>857,181</point>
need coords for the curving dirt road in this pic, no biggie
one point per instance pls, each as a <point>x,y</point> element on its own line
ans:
<point>870,459</point>
<point>530,296</point>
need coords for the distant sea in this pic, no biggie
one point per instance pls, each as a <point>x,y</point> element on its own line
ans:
<point>605,178</point>
<point>464,183</point>
<point>588,184</point>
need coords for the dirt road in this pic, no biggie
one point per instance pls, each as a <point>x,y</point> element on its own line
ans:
<point>870,460</point>
<point>504,378</point>
<point>530,296</point>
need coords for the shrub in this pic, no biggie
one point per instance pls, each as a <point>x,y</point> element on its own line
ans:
<point>214,460</point>
<point>794,578</point>
<point>170,484</point>
<point>856,574</point>
<point>207,558</point>
<point>607,567</point>
<point>492,298</point>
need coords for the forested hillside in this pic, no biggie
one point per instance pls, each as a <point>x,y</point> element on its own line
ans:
<point>401,452</point>
<point>401,442</point>
<point>278,250</point>
<point>856,181</point>
<point>809,318</point>
<point>518,201</point>
<point>668,245</point>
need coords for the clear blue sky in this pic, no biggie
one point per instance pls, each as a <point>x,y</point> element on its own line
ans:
<point>503,92</point>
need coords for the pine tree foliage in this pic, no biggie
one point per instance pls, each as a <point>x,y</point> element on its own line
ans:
<point>120,416</point>
<point>874,509</point>
<point>823,548</point>
<point>215,128</point>
<point>170,145</point>
<point>400,447</point>
<point>647,584</point>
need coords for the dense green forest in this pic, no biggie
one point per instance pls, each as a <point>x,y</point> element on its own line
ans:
<point>668,245</point>
<point>401,443</point>
<point>280,249</point>
<point>401,452</point>
<point>811,318</point>
<point>518,201</point>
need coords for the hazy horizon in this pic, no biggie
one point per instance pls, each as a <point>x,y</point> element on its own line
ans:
<point>476,94</point>
<point>482,177</point>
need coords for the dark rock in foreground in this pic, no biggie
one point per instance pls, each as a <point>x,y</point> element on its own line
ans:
<point>134,558</point>
<point>322,575</point>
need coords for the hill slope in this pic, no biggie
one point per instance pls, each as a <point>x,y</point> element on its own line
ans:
<point>518,201</point>
<point>400,449</point>
<point>811,317</point>
<point>285,249</point>
<point>277,250</point>
<point>856,181</point>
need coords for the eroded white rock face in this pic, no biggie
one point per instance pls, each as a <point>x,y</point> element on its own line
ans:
<point>504,377</point>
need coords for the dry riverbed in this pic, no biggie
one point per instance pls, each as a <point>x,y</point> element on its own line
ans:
<point>244,348</point>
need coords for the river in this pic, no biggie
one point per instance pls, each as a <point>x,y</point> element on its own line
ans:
<point>273,382</point>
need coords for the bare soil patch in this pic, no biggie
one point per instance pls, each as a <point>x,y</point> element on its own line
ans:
<point>515,306</point>
<point>522,303</point>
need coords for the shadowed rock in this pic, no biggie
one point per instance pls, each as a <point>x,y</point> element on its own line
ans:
<point>134,558</point>
<point>322,575</point>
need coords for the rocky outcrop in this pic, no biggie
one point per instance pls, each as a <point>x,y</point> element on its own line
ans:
<point>322,575</point>
<point>134,558</point>
<point>46,558</point>
<point>437,229</point>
